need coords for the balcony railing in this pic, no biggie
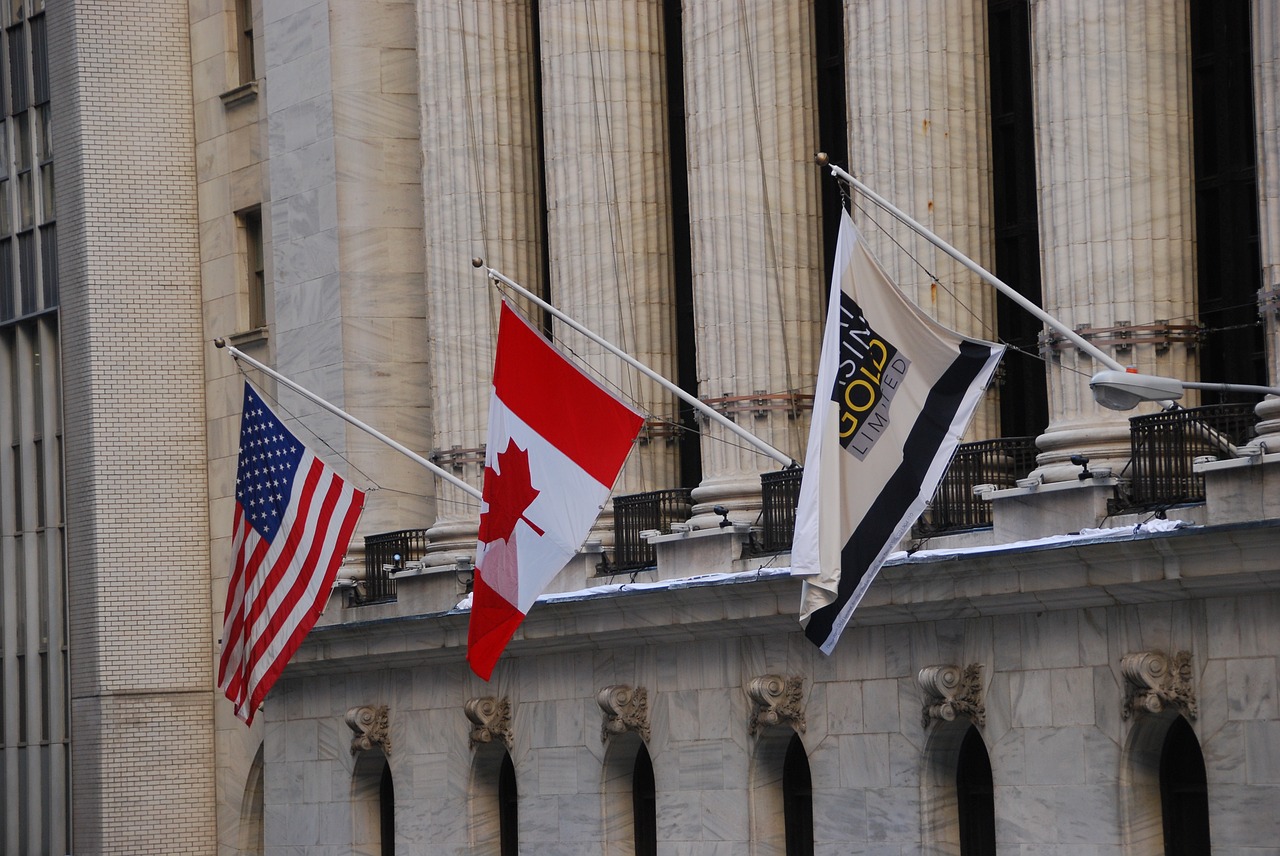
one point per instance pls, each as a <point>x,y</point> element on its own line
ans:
<point>1164,446</point>
<point>1000,462</point>
<point>634,513</point>
<point>780,491</point>
<point>384,554</point>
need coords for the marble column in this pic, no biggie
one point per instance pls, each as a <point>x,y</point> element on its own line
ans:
<point>1117,227</point>
<point>378,226</point>
<point>757,256</point>
<point>609,231</point>
<point>919,129</point>
<point>481,195</point>
<point>1266,111</point>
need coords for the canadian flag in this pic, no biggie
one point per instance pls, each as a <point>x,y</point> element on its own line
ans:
<point>556,444</point>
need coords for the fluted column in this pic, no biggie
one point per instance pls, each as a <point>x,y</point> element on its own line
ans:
<point>920,136</point>
<point>481,195</point>
<point>1113,151</point>
<point>756,237</point>
<point>609,231</point>
<point>1266,110</point>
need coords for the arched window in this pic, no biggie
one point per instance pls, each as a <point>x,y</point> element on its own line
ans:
<point>507,813</point>
<point>975,797</point>
<point>797,800</point>
<point>387,811</point>
<point>644,805</point>
<point>373,805</point>
<point>1184,796</point>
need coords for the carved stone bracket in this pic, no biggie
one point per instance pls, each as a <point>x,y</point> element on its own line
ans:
<point>371,726</point>
<point>625,709</point>
<point>950,691</point>
<point>776,701</point>
<point>490,719</point>
<point>1153,682</point>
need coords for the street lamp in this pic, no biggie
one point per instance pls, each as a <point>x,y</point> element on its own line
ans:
<point>1126,390</point>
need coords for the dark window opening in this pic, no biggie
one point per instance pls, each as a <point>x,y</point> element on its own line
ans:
<point>797,800</point>
<point>1184,796</point>
<point>244,40</point>
<point>1024,398</point>
<point>975,797</point>
<point>507,811</point>
<point>833,121</point>
<point>690,442</point>
<point>255,269</point>
<point>387,812</point>
<point>644,805</point>
<point>1228,262</point>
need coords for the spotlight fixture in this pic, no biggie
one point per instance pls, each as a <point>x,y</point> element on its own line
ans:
<point>724,515</point>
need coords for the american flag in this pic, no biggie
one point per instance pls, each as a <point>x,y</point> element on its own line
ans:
<point>294,517</point>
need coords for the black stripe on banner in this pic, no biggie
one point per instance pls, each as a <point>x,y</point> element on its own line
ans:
<point>902,488</point>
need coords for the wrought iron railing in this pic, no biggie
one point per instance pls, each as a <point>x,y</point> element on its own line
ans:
<point>999,462</point>
<point>635,513</point>
<point>780,491</point>
<point>1164,447</point>
<point>385,554</point>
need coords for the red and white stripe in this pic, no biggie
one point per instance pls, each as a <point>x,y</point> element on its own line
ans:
<point>279,588</point>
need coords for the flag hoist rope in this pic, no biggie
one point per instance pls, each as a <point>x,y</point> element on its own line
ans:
<point>1000,286</point>
<point>702,407</point>
<point>1212,435</point>
<point>373,432</point>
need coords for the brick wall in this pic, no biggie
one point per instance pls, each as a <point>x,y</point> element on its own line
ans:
<point>137,519</point>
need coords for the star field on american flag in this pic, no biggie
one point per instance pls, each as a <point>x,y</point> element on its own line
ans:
<point>269,460</point>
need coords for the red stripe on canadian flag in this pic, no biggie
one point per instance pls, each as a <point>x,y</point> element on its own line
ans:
<point>556,443</point>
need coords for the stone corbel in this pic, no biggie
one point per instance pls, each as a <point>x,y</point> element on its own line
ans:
<point>625,709</point>
<point>950,691</point>
<point>371,725</point>
<point>1154,682</point>
<point>490,719</point>
<point>776,700</point>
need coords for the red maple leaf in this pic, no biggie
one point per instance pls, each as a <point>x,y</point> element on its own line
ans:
<point>509,494</point>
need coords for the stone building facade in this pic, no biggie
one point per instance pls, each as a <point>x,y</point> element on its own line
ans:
<point>311,179</point>
<point>649,167</point>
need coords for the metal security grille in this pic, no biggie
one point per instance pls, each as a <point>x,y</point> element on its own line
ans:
<point>639,512</point>
<point>1164,446</point>
<point>383,555</point>
<point>780,492</point>
<point>999,462</point>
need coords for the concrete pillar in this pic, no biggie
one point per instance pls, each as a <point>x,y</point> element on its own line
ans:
<point>1113,153</point>
<point>481,194</point>
<point>1266,110</point>
<point>922,140</point>
<point>609,231</point>
<point>757,258</point>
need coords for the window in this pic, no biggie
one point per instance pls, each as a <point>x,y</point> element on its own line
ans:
<point>387,812</point>
<point>797,800</point>
<point>1228,260</point>
<point>244,40</point>
<point>255,291</point>
<point>833,123</point>
<point>1184,798</point>
<point>507,809</point>
<point>1024,402</point>
<point>644,804</point>
<point>975,797</point>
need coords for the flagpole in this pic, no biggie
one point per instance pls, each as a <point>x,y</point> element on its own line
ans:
<point>373,432</point>
<point>701,406</point>
<point>1005,289</point>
